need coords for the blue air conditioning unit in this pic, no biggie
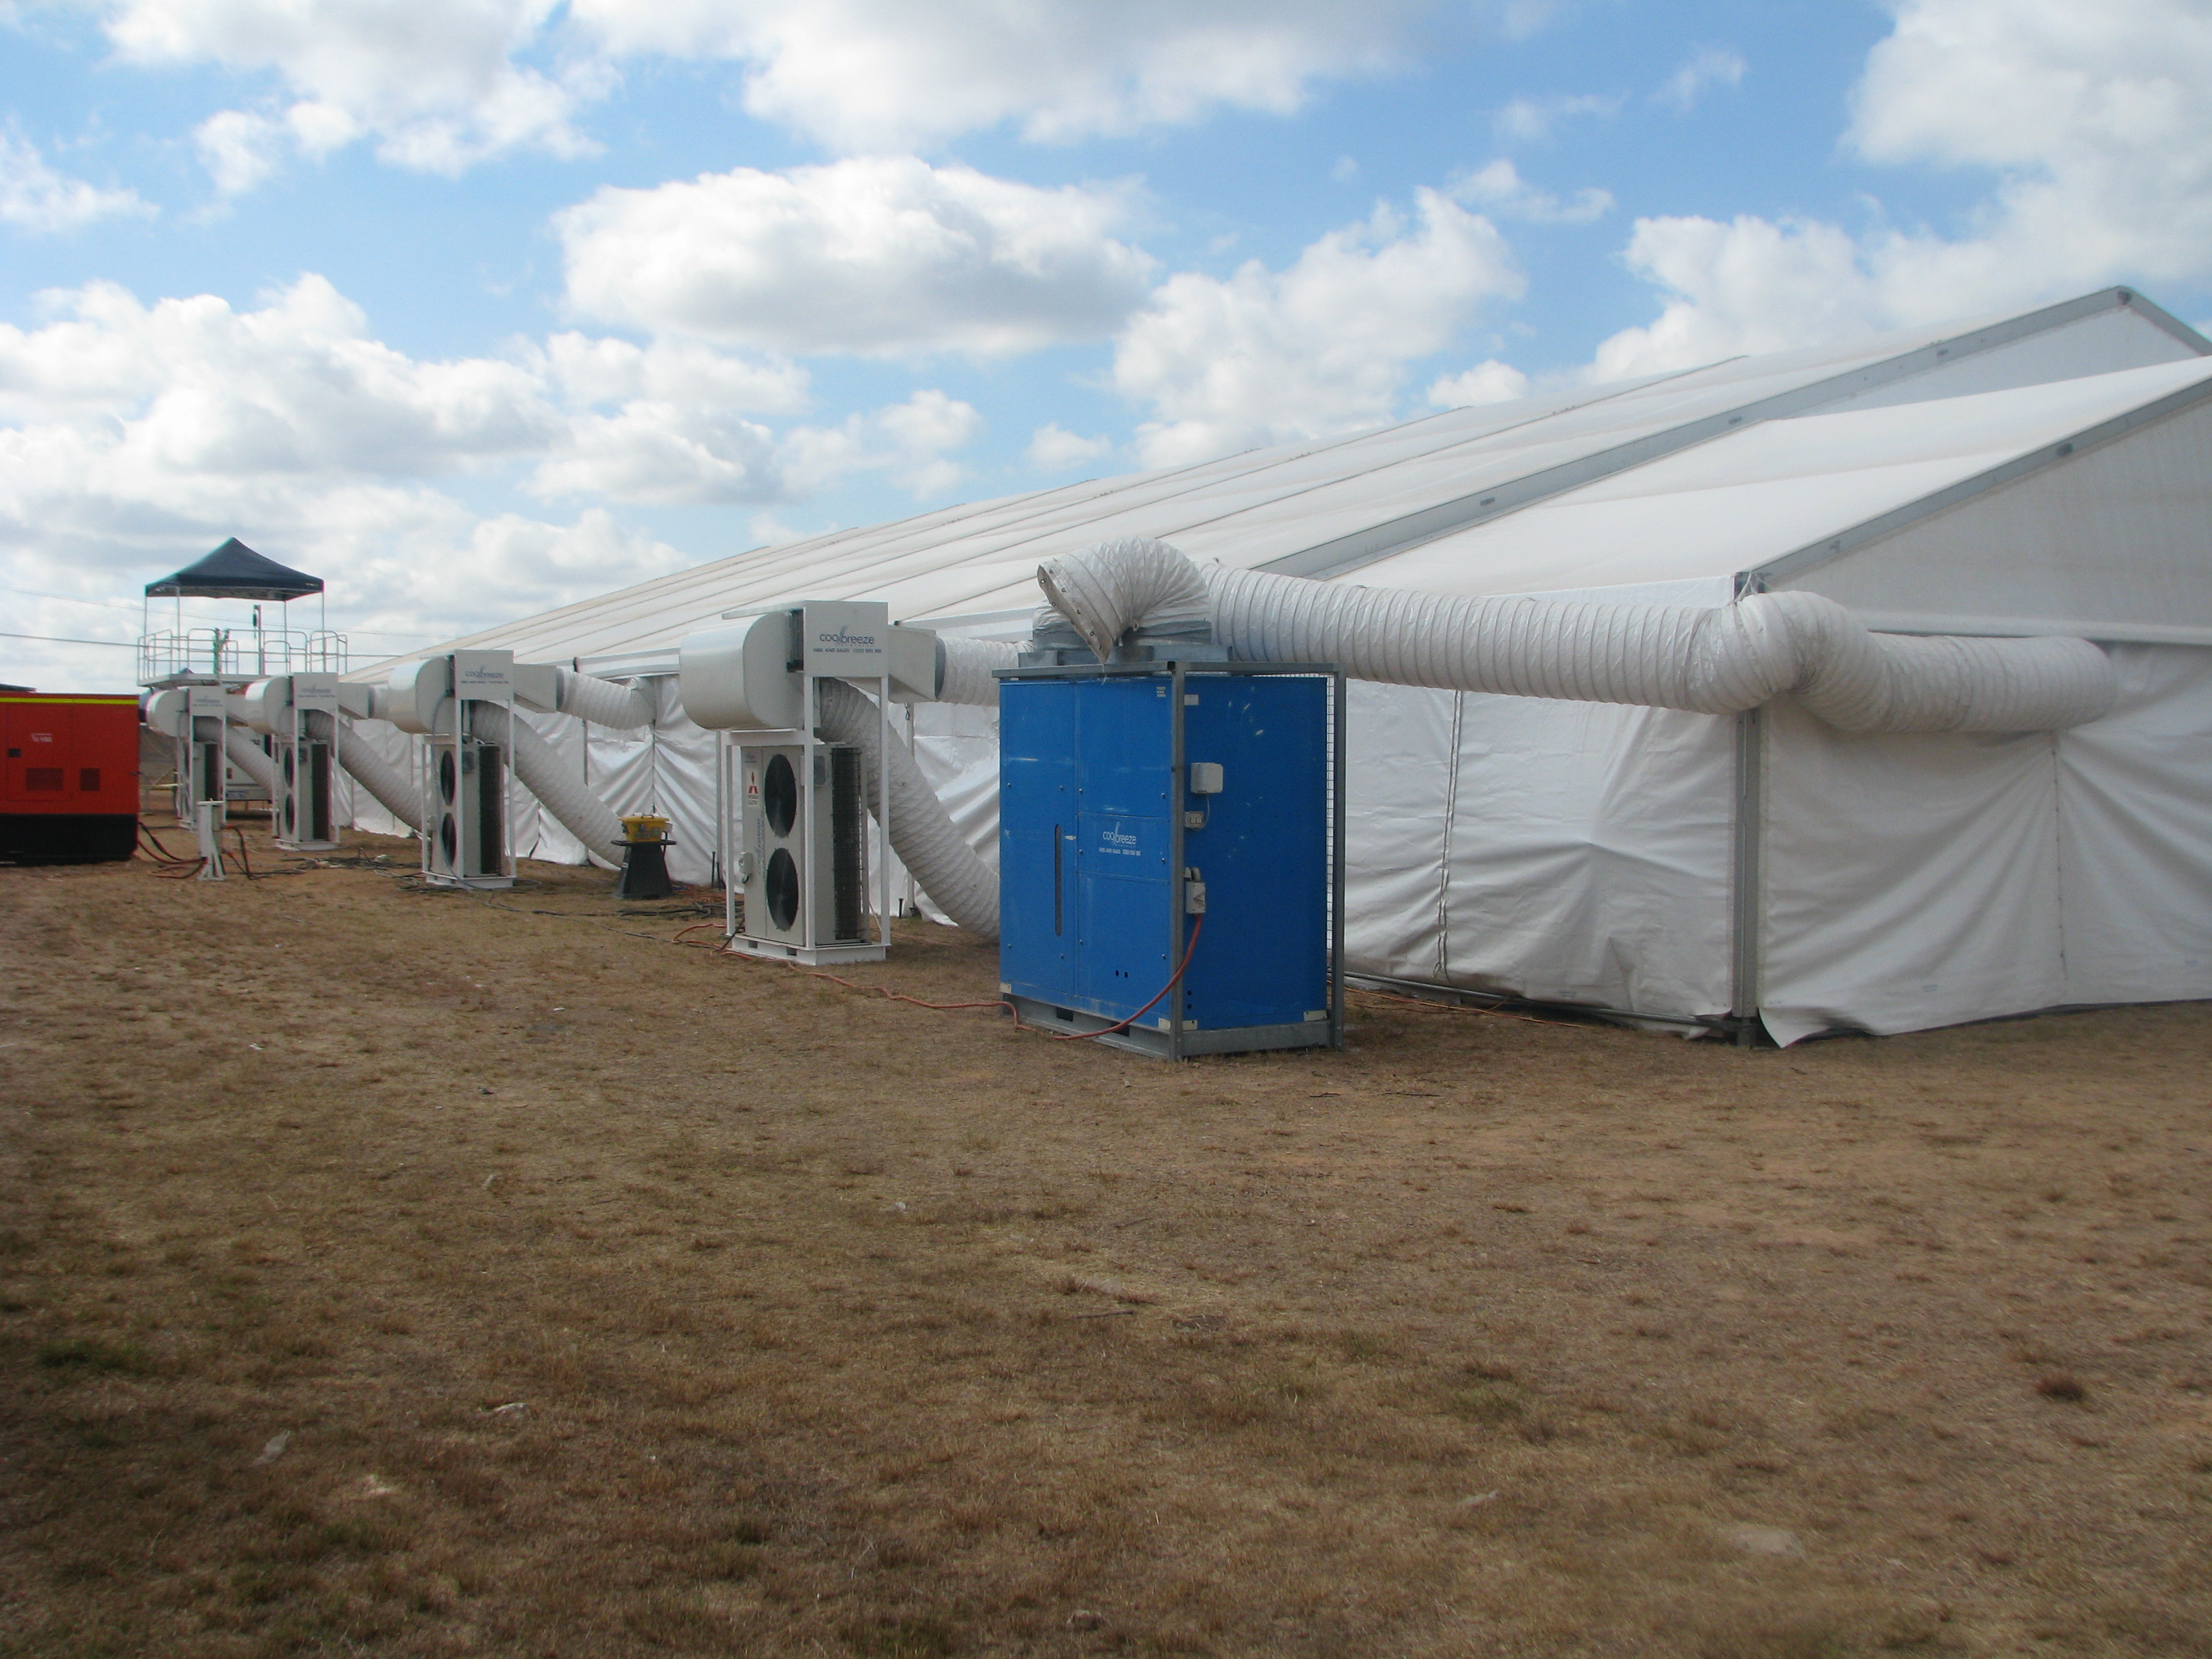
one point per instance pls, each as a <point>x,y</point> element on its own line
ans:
<point>1171,854</point>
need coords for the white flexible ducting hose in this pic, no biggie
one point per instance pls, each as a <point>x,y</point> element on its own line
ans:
<point>369,770</point>
<point>1108,590</point>
<point>604,702</point>
<point>559,790</point>
<point>964,887</point>
<point>968,665</point>
<point>1706,660</point>
<point>246,755</point>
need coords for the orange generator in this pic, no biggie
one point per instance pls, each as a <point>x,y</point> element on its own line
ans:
<point>69,785</point>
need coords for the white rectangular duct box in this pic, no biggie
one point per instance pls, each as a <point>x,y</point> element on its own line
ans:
<point>845,639</point>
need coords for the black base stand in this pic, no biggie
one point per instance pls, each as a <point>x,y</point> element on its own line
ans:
<point>644,872</point>
<point>67,837</point>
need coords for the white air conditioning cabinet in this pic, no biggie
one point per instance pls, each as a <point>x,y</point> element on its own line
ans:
<point>804,834</point>
<point>460,701</point>
<point>792,819</point>
<point>300,712</point>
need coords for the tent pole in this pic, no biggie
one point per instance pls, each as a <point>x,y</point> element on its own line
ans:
<point>1749,885</point>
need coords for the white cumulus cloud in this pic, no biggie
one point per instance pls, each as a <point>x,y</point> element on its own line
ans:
<point>878,256</point>
<point>1264,356</point>
<point>443,84</point>
<point>1531,120</point>
<point>35,198</point>
<point>1053,448</point>
<point>602,369</point>
<point>911,443</point>
<point>435,80</point>
<point>1709,67</point>
<point>2094,121</point>
<point>1500,189</point>
<point>873,75</point>
<point>1488,382</point>
<point>241,148</point>
<point>191,388</point>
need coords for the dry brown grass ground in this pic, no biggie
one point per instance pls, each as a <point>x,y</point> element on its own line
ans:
<point>384,1272</point>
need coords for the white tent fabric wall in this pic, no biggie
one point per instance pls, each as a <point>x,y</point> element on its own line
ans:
<point>1584,854</point>
<point>1922,881</point>
<point>1590,856</point>
<point>2136,825</point>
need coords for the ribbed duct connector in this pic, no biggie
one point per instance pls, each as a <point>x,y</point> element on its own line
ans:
<point>964,887</point>
<point>605,703</point>
<point>369,770</point>
<point>559,790</point>
<point>968,665</point>
<point>1706,660</point>
<point>246,755</point>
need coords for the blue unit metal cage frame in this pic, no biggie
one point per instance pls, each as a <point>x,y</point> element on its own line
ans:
<point>1170,920</point>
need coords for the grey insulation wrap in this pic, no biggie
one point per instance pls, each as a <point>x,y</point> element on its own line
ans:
<point>603,703</point>
<point>968,665</point>
<point>370,770</point>
<point>1709,661</point>
<point>559,790</point>
<point>246,755</point>
<point>964,887</point>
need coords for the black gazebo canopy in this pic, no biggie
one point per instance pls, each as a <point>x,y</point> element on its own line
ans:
<point>235,571</point>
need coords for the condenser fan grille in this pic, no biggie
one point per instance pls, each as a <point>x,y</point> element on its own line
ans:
<point>780,796</point>
<point>782,884</point>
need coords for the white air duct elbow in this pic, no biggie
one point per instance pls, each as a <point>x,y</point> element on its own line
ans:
<point>1106,592</point>
<point>559,790</point>
<point>1858,681</point>
<point>964,887</point>
<point>370,770</point>
<point>1706,660</point>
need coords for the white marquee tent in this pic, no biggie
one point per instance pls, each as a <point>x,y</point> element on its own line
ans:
<point>2046,473</point>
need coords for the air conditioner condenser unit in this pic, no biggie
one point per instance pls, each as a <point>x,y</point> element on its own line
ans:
<point>466,832</point>
<point>803,862</point>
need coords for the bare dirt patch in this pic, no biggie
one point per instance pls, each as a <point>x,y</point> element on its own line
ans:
<point>391,1271</point>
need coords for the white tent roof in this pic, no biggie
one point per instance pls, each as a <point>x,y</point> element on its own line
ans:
<point>1737,467</point>
<point>1757,497</point>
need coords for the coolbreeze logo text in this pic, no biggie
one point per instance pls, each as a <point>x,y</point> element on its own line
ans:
<point>840,640</point>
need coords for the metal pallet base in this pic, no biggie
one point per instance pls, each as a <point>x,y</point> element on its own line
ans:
<point>806,955</point>
<point>1174,1045</point>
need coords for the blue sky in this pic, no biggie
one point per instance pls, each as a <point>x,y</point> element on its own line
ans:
<point>476,307</point>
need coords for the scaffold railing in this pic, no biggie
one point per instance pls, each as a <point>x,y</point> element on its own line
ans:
<point>232,652</point>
